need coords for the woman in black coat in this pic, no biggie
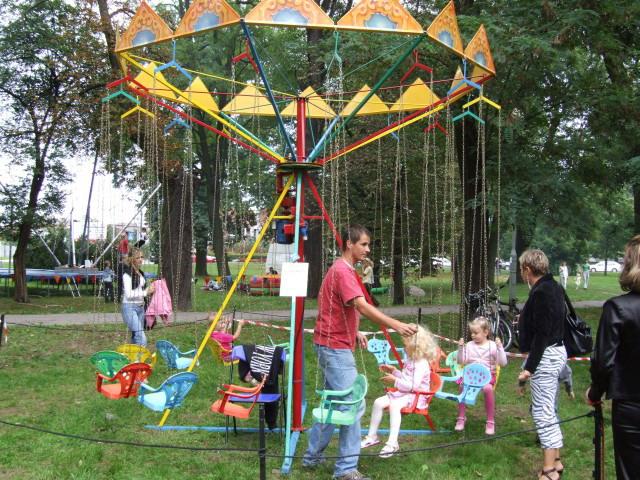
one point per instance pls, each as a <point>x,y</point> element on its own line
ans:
<point>615,361</point>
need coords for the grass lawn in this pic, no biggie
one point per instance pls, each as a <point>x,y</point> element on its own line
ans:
<point>58,299</point>
<point>47,382</point>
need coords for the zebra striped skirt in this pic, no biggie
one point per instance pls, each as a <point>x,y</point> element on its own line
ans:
<point>544,386</point>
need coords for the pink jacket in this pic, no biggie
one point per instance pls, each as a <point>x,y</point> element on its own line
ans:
<point>160,304</point>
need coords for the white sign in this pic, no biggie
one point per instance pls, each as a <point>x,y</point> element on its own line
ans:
<point>294,279</point>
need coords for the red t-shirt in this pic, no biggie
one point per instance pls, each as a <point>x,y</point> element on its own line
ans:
<point>338,322</point>
<point>123,246</point>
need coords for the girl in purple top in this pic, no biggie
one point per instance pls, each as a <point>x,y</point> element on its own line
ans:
<point>421,349</point>
<point>482,350</point>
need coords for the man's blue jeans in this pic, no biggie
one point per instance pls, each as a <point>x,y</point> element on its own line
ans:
<point>340,372</point>
<point>133,316</point>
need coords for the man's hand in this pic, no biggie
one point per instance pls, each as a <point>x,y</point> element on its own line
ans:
<point>361,340</point>
<point>406,329</point>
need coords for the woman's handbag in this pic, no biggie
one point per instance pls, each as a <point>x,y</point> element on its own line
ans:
<point>577,333</point>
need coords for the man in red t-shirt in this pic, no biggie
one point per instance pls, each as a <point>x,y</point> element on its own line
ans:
<point>340,303</point>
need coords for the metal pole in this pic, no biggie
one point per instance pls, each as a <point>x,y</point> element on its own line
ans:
<point>513,266</point>
<point>598,442</point>
<point>262,450</point>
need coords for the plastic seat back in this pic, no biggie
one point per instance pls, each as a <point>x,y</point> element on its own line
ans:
<point>220,353</point>
<point>382,351</point>
<point>170,394</point>
<point>341,407</point>
<point>455,368</point>
<point>225,406</point>
<point>174,358</point>
<point>137,353</point>
<point>125,383</point>
<point>474,377</point>
<point>108,363</point>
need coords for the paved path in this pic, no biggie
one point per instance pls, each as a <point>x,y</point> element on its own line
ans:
<point>268,315</point>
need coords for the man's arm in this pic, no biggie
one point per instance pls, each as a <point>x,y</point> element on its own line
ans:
<point>375,315</point>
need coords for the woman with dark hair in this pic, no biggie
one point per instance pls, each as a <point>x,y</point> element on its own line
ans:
<point>133,295</point>
<point>614,361</point>
<point>541,334</point>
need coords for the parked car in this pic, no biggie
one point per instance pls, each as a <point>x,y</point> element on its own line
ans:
<point>612,266</point>
<point>505,264</point>
<point>441,262</point>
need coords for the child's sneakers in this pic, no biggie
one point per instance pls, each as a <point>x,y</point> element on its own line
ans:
<point>460,424</point>
<point>490,429</point>
<point>389,450</point>
<point>368,441</point>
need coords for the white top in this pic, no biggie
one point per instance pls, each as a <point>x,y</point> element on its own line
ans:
<point>129,295</point>
<point>564,271</point>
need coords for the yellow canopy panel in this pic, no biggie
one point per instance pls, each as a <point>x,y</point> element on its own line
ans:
<point>374,106</point>
<point>303,13</point>
<point>146,27</point>
<point>444,29</point>
<point>478,51</point>
<point>417,96</point>
<point>199,93</point>
<point>154,82</point>
<point>316,106</point>
<point>385,15</point>
<point>206,15</point>
<point>250,101</point>
<point>457,79</point>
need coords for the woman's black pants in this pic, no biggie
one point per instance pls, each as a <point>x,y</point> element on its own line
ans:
<point>625,419</point>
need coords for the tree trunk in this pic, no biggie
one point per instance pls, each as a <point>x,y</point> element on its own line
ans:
<point>176,229</point>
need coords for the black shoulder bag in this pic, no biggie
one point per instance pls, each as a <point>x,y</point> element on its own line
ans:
<point>577,333</point>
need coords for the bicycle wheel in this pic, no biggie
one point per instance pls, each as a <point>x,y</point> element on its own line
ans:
<point>510,318</point>
<point>505,333</point>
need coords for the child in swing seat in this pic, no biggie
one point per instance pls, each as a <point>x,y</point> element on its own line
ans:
<point>487,352</point>
<point>222,334</point>
<point>421,348</point>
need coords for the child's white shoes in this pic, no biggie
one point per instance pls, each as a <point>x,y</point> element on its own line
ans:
<point>368,441</point>
<point>460,424</point>
<point>389,450</point>
<point>490,429</point>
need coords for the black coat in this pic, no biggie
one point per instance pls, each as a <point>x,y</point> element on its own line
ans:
<point>542,320</point>
<point>616,355</point>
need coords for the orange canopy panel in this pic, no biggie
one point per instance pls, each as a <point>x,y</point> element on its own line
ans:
<point>374,106</point>
<point>415,97</point>
<point>478,51</point>
<point>303,13</point>
<point>198,93</point>
<point>385,15</point>
<point>146,27</point>
<point>206,15</point>
<point>444,29</point>
<point>155,82</point>
<point>250,101</point>
<point>316,106</point>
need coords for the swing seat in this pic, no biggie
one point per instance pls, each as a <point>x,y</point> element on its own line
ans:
<point>108,363</point>
<point>342,408</point>
<point>382,350</point>
<point>220,353</point>
<point>454,367</point>
<point>137,353</point>
<point>225,406</point>
<point>174,358</point>
<point>435,383</point>
<point>474,377</point>
<point>170,394</point>
<point>124,383</point>
<point>436,366</point>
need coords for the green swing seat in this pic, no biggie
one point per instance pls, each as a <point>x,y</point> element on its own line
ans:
<point>340,407</point>
<point>108,363</point>
<point>456,368</point>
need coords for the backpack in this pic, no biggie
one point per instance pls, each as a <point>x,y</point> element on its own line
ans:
<point>577,333</point>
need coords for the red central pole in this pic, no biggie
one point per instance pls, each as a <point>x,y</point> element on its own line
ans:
<point>298,347</point>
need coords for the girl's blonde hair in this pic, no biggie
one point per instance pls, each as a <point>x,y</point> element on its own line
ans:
<point>482,322</point>
<point>133,253</point>
<point>422,344</point>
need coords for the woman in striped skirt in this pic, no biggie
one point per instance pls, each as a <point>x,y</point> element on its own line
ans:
<point>541,334</point>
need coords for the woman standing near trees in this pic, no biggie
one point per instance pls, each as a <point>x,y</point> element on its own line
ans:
<point>133,296</point>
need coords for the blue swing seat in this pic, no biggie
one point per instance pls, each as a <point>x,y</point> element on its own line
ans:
<point>170,394</point>
<point>340,407</point>
<point>474,377</point>
<point>382,351</point>
<point>174,358</point>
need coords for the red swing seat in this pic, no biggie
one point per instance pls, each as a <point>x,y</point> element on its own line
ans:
<point>125,383</point>
<point>434,384</point>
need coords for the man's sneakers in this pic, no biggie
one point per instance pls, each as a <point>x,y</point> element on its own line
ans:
<point>352,475</point>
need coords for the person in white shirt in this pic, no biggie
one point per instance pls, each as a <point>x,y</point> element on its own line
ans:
<point>564,274</point>
<point>133,296</point>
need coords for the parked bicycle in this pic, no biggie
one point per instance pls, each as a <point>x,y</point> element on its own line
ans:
<point>504,322</point>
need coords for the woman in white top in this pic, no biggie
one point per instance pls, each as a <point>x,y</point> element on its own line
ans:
<point>564,274</point>
<point>133,295</point>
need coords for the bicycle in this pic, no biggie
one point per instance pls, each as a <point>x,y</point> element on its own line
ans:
<point>504,323</point>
